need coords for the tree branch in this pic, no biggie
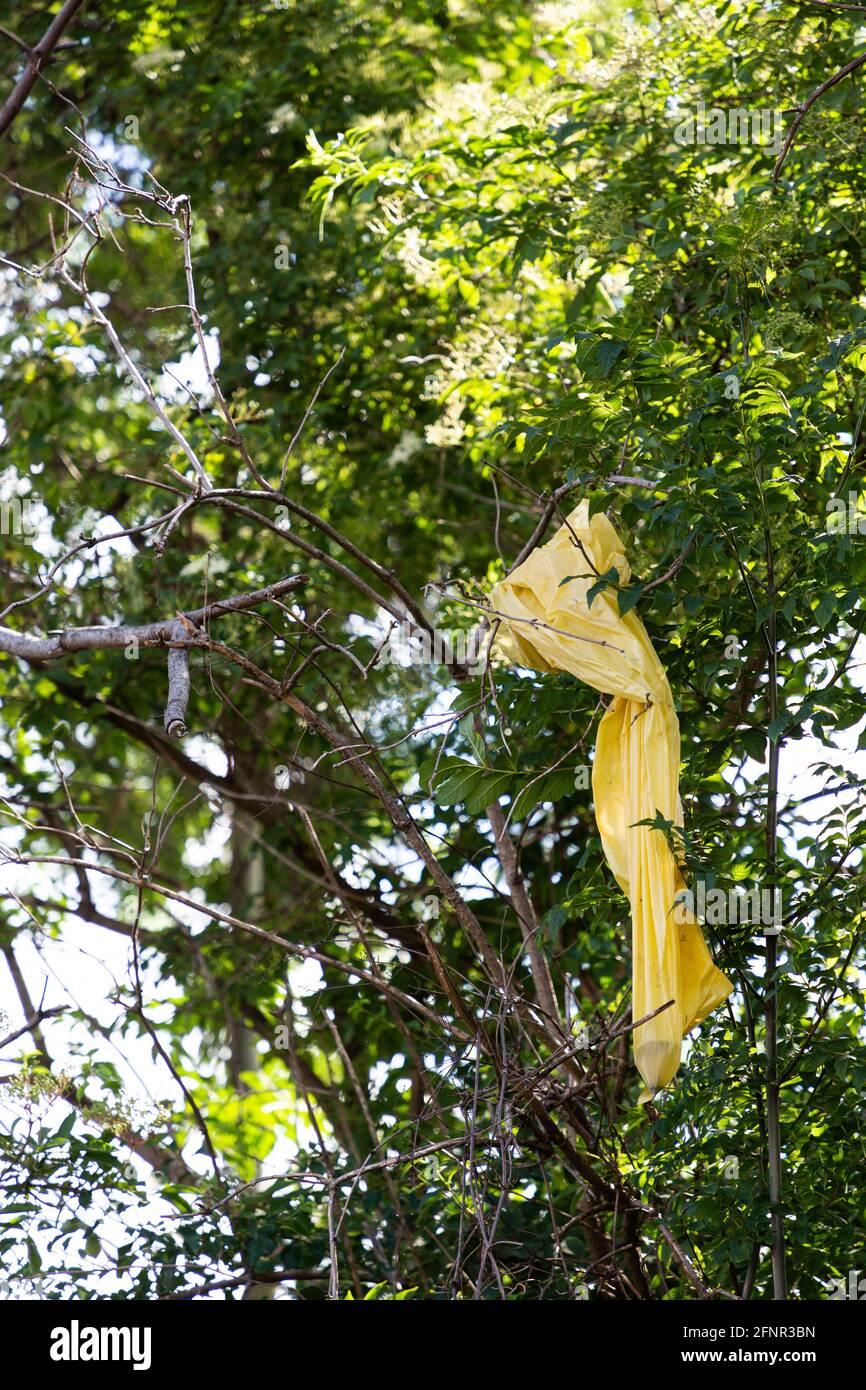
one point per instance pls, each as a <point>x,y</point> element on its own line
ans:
<point>36,61</point>
<point>809,102</point>
<point>178,633</point>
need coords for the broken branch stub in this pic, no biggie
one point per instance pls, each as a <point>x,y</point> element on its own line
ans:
<point>178,685</point>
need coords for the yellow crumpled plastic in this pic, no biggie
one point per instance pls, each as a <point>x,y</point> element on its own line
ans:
<point>635,772</point>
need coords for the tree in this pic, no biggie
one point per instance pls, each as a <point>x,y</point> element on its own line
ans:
<point>300,356</point>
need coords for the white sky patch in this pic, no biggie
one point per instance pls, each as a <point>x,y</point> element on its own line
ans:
<point>307,978</point>
<point>106,526</point>
<point>207,753</point>
<point>798,777</point>
<point>190,372</point>
<point>87,361</point>
<point>198,854</point>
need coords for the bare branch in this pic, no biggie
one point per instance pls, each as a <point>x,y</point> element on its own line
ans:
<point>36,61</point>
<point>88,639</point>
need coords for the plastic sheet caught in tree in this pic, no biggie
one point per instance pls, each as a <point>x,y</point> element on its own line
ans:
<point>555,622</point>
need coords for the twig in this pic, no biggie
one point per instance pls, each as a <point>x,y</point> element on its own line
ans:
<point>531,622</point>
<point>37,1018</point>
<point>675,567</point>
<point>307,413</point>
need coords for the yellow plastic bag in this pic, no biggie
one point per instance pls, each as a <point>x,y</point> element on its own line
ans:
<point>635,772</point>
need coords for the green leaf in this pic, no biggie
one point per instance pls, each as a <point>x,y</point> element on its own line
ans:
<point>608,352</point>
<point>755,744</point>
<point>608,580</point>
<point>627,598</point>
<point>66,1126</point>
<point>777,727</point>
